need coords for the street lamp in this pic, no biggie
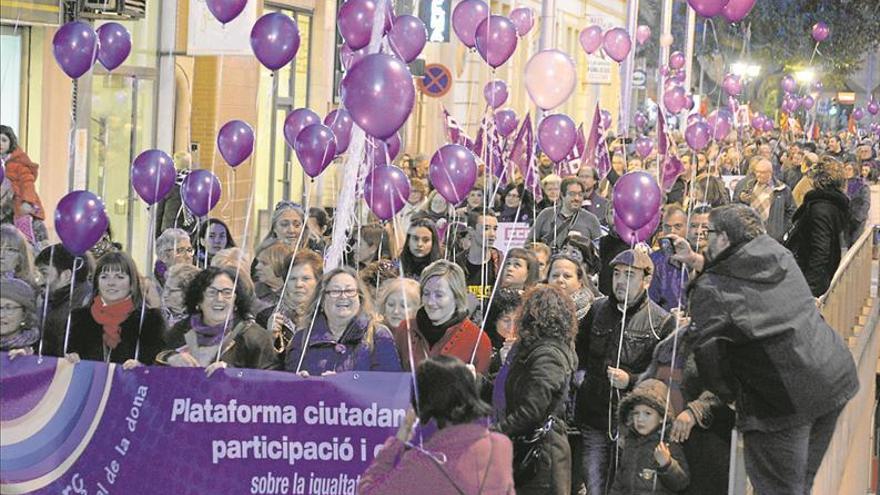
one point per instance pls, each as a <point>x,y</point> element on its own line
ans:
<point>805,76</point>
<point>745,70</point>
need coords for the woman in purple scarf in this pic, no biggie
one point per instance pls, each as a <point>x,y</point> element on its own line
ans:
<point>859,194</point>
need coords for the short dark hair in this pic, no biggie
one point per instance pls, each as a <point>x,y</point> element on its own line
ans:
<point>546,313</point>
<point>61,259</point>
<point>531,262</point>
<point>740,222</point>
<point>320,215</point>
<point>119,260</point>
<point>567,182</point>
<point>447,392</point>
<point>195,292</point>
<point>203,231</point>
<point>505,301</point>
<point>10,134</point>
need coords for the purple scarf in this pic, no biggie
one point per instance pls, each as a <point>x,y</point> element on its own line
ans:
<point>207,335</point>
<point>21,339</point>
<point>160,270</point>
<point>853,186</point>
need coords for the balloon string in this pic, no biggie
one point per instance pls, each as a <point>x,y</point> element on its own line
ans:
<point>77,263</point>
<point>305,342</point>
<point>46,305</point>
<point>293,256</point>
<point>151,242</point>
<point>613,435</point>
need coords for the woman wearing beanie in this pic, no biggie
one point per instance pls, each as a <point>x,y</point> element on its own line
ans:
<point>110,329</point>
<point>19,332</point>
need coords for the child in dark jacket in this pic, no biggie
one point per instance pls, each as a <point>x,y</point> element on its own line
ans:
<point>647,465</point>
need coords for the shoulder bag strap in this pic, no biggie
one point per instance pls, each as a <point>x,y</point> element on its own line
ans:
<point>488,464</point>
<point>445,474</point>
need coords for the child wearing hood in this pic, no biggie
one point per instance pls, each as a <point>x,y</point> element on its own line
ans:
<point>647,465</point>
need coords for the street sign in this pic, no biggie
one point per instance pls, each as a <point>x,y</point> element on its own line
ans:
<point>436,16</point>
<point>436,82</point>
<point>639,78</point>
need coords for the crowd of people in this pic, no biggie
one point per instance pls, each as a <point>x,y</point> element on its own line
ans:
<point>575,363</point>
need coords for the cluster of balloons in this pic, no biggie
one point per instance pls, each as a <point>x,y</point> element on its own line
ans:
<point>495,37</point>
<point>675,96</point>
<point>761,122</point>
<point>731,10</point>
<point>636,199</point>
<point>615,42</point>
<point>76,47</point>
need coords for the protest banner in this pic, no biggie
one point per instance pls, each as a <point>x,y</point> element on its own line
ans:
<point>93,428</point>
<point>511,235</point>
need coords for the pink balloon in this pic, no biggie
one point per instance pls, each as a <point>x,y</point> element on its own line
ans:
<point>496,40</point>
<point>296,121</point>
<point>235,141</point>
<point>315,148</point>
<point>505,121</point>
<point>698,135</point>
<point>339,121</point>
<point>495,93</point>
<point>676,60</point>
<point>644,146</point>
<point>617,44</point>
<point>550,78</point>
<point>557,134</point>
<point>737,10</point>
<point>636,199</point>
<point>643,34</point>
<point>708,8</point>
<point>732,85</point>
<point>821,31</point>
<point>591,39</point>
<point>466,16</point>
<point>675,99</point>
<point>631,236</point>
<point>407,37</point>
<point>386,189</point>
<point>379,94</point>
<point>523,19</point>
<point>453,172</point>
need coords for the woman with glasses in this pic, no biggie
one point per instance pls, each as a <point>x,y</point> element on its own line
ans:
<point>172,247</point>
<point>19,332</point>
<point>219,331</point>
<point>517,204</point>
<point>341,332</point>
<point>111,328</point>
<point>212,236</point>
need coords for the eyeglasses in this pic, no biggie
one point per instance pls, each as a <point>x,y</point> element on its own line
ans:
<point>180,250</point>
<point>213,292</point>
<point>348,293</point>
<point>11,307</point>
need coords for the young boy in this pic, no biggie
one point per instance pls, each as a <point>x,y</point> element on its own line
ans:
<point>648,466</point>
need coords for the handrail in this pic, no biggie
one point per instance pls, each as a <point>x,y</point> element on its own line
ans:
<point>845,262</point>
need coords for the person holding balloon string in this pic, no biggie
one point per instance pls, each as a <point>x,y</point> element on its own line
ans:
<point>55,264</point>
<point>116,327</point>
<point>270,272</point>
<point>306,267</point>
<point>553,224</point>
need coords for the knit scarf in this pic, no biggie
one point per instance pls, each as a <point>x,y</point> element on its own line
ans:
<point>160,270</point>
<point>207,335</point>
<point>21,339</point>
<point>110,317</point>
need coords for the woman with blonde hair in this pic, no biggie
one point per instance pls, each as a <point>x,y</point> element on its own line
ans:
<point>16,258</point>
<point>398,300</point>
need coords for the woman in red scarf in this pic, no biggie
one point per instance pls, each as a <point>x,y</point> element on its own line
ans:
<point>110,329</point>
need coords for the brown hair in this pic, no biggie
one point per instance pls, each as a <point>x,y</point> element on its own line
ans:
<point>546,313</point>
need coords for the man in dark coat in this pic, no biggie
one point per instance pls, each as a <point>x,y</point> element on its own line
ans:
<point>56,268</point>
<point>761,341</point>
<point>771,198</point>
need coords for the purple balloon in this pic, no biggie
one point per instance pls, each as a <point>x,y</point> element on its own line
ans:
<point>873,107</point>
<point>114,45</point>
<point>636,198</point>
<point>386,189</point>
<point>606,119</point>
<point>641,120</point>
<point>768,124</point>
<point>407,37</point>
<point>737,10</point>
<point>350,57</point>
<point>644,146</point>
<point>617,44</point>
<point>391,146</point>
<point>808,102</point>
<point>732,85</point>
<point>708,8</point>
<point>698,135</point>
<point>495,93</point>
<point>557,134</point>
<point>758,122</point>
<point>676,60</point>
<point>2,174</point>
<point>788,84</point>
<point>496,40</point>
<point>523,19</point>
<point>315,148</point>
<point>379,94</point>
<point>296,121</point>
<point>675,99</point>
<point>226,10</point>
<point>275,40</point>
<point>631,236</point>
<point>466,16</point>
<point>505,121</point>
<point>75,46</point>
<point>720,122</point>
<point>355,22</point>
<point>591,39</point>
<point>689,102</point>
<point>80,221</point>
<point>643,34</point>
<point>152,175</point>
<point>694,117</point>
<point>200,192</point>
<point>235,142</point>
<point>821,31</point>
<point>339,121</point>
<point>453,172</point>
<point>858,113</point>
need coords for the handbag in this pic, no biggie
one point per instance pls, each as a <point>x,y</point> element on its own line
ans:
<point>527,451</point>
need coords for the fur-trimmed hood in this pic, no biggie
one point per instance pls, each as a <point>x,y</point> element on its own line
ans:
<point>652,393</point>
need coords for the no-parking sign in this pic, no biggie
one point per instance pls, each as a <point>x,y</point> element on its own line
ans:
<point>437,80</point>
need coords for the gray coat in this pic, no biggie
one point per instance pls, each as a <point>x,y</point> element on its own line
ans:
<point>781,209</point>
<point>552,228</point>
<point>760,337</point>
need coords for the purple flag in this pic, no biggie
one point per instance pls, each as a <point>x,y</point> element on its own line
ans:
<point>522,154</point>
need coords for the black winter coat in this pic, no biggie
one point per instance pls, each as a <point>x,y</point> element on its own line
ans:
<point>646,324</point>
<point>250,346</point>
<point>86,336</point>
<point>55,324</point>
<point>537,387</point>
<point>821,223</point>
<point>637,468</point>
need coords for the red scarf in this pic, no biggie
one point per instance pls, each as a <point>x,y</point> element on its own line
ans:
<point>110,316</point>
